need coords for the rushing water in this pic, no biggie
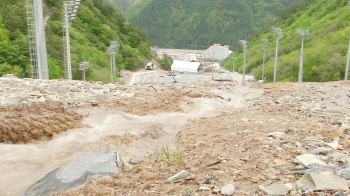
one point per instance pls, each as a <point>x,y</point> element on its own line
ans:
<point>23,165</point>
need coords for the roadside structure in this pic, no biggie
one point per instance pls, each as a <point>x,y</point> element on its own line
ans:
<point>186,67</point>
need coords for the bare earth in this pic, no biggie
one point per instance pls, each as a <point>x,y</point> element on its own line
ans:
<point>219,132</point>
<point>250,147</point>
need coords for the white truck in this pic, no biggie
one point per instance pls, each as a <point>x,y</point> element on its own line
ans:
<point>150,66</point>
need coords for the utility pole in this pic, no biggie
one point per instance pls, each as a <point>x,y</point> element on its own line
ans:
<point>243,43</point>
<point>70,12</point>
<point>302,33</point>
<point>233,64</point>
<point>278,33</point>
<point>264,43</point>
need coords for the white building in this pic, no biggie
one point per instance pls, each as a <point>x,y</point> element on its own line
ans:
<point>217,52</point>
<point>187,67</point>
<point>191,57</point>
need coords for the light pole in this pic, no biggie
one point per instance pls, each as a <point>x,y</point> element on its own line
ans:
<point>112,50</point>
<point>243,43</point>
<point>264,43</point>
<point>70,12</point>
<point>233,64</point>
<point>278,33</point>
<point>348,60</point>
<point>84,66</point>
<point>302,33</point>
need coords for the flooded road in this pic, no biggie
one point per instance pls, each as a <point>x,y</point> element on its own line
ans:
<point>23,165</point>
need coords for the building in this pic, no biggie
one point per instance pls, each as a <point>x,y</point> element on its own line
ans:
<point>216,52</point>
<point>191,57</point>
<point>187,67</point>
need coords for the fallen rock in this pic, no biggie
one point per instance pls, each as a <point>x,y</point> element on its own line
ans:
<point>322,181</point>
<point>75,173</point>
<point>276,189</point>
<point>321,150</point>
<point>344,173</point>
<point>228,190</point>
<point>179,176</point>
<point>275,134</point>
<point>334,144</point>
<point>307,159</point>
<point>337,123</point>
<point>13,100</point>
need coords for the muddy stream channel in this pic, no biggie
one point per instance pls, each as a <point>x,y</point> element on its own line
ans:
<point>23,165</point>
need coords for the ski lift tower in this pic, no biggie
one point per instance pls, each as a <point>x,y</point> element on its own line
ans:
<point>37,39</point>
<point>70,12</point>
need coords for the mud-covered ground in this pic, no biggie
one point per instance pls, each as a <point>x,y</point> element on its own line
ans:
<point>250,147</point>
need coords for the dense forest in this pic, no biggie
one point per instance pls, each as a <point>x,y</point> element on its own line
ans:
<point>325,51</point>
<point>125,5</point>
<point>200,23</point>
<point>97,24</point>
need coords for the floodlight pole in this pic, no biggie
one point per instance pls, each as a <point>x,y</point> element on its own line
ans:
<point>67,25</point>
<point>111,63</point>
<point>233,64</point>
<point>264,42</point>
<point>348,60</point>
<point>278,34</point>
<point>302,33</point>
<point>243,43</point>
<point>347,63</point>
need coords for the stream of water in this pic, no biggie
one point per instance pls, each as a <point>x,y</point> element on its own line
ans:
<point>23,165</point>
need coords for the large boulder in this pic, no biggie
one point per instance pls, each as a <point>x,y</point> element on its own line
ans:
<point>77,173</point>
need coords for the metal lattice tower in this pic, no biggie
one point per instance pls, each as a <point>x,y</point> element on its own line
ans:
<point>65,64</point>
<point>32,39</point>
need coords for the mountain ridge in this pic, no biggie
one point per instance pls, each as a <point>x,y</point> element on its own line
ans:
<point>325,50</point>
<point>200,23</point>
<point>97,23</point>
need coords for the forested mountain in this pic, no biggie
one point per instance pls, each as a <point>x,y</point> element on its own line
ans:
<point>200,23</point>
<point>125,5</point>
<point>325,50</point>
<point>97,24</point>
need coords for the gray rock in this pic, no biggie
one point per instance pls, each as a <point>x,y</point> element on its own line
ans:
<point>74,89</point>
<point>76,173</point>
<point>287,146</point>
<point>337,123</point>
<point>179,176</point>
<point>275,134</point>
<point>321,150</point>
<point>204,188</point>
<point>344,173</point>
<point>228,190</point>
<point>13,100</point>
<point>276,189</point>
<point>322,181</point>
<point>307,159</point>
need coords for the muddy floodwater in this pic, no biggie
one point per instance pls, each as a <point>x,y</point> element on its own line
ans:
<point>23,165</point>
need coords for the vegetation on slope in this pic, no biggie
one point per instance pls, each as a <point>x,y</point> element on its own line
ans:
<point>200,23</point>
<point>325,50</point>
<point>125,5</point>
<point>97,24</point>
